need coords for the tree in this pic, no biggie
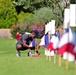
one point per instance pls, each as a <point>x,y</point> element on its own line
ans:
<point>28,5</point>
<point>57,6</point>
<point>73,1</point>
<point>7,14</point>
<point>44,15</point>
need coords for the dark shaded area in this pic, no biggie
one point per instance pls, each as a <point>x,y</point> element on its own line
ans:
<point>72,1</point>
<point>20,8</point>
<point>31,8</point>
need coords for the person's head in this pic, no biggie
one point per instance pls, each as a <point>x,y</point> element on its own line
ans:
<point>17,32</point>
<point>32,34</point>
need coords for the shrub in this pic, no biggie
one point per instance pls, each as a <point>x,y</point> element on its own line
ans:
<point>43,15</point>
<point>14,31</point>
<point>7,14</point>
<point>39,26</point>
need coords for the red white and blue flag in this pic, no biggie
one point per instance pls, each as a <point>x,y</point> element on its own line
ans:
<point>64,42</point>
<point>72,43</point>
<point>44,40</point>
<point>33,43</point>
<point>53,45</point>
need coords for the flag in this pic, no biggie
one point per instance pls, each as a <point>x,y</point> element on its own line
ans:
<point>33,43</point>
<point>72,43</point>
<point>44,40</point>
<point>53,45</point>
<point>64,42</point>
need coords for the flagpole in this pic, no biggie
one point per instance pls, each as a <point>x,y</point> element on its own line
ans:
<point>67,62</point>
<point>49,34</point>
<point>49,55</point>
<point>75,65</point>
<point>54,57</point>
<point>55,52</point>
<point>59,60</point>
<point>60,54</point>
<point>49,58</point>
<point>46,57</point>
<point>46,53</point>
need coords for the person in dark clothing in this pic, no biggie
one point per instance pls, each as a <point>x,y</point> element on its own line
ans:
<point>24,42</point>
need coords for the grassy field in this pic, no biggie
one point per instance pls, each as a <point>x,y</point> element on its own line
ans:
<point>24,65</point>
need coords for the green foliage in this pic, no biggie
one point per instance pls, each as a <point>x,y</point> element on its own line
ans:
<point>39,15</point>
<point>7,14</point>
<point>19,2</point>
<point>21,16</point>
<point>73,1</point>
<point>28,17</point>
<point>25,21</point>
<point>14,31</point>
<point>25,17</point>
<point>39,27</point>
<point>57,7</point>
<point>33,10</point>
<point>44,14</point>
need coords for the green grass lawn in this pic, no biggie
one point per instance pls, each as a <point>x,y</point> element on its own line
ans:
<point>24,65</point>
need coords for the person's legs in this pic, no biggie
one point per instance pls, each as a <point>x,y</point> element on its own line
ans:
<point>21,47</point>
<point>18,48</point>
<point>33,48</point>
<point>30,50</point>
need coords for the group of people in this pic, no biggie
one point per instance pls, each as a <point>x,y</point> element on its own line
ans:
<point>23,42</point>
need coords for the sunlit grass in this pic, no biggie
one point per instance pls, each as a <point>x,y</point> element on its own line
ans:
<point>24,65</point>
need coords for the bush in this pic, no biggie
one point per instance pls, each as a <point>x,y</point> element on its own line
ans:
<point>25,21</point>
<point>25,17</point>
<point>14,31</point>
<point>7,14</point>
<point>39,26</point>
<point>43,15</point>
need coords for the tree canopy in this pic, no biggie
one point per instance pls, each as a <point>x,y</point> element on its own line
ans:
<point>57,6</point>
<point>11,9</point>
<point>7,14</point>
<point>73,1</point>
